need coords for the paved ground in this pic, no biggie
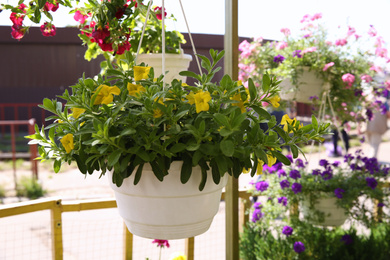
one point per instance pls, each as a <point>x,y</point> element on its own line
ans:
<point>93,234</point>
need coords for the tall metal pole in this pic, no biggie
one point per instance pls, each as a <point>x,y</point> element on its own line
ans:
<point>231,68</point>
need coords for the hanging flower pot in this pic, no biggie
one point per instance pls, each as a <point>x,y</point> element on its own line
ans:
<point>174,63</point>
<point>308,85</point>
<point>168,209</point>
<point>324,212</point>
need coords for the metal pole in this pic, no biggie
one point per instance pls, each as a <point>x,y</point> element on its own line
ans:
<point>231,68</point>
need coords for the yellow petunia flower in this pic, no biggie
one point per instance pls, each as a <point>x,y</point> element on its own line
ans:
<point>134,89</point>
<point>271,160</point>
<point>201,101</point>
<point>275,101</point>
<point>260,164</point>
<point>67,142</point>
<point>240,104</point>
<point>77,112</point>
<point>141,72</point>
<point>191,98</point>
<point>157,113</point>
<point>105,94</point>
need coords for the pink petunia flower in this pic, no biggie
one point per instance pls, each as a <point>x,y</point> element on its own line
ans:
<point>372,31</point>
<point>366,78</point>
<point>285,31</point>
<point>348,78</point>
<point>328,65</point>
<point>341,42</point>
<point>381,52</point>
<point>310,49</point>
<point>281,45</point>
<point>376,68</point>
<point>48,29</point>
<point>316,16</point>
<point>351,31</point>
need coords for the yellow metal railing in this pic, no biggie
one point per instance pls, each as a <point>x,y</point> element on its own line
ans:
<point>57,207</point>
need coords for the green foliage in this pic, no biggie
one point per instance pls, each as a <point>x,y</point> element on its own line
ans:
<point>268,243</point>
<point>30,188</point>
<point>210,125</point>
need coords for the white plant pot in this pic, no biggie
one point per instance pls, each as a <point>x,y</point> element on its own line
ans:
<point>174,63</point>
<point>168,209</point>
<point>334,215</point>
<point>308,85</point>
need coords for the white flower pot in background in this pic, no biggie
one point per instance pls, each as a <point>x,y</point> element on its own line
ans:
<point>174,63</point>
<point>334,215</point>
<point>168,209</point>
<point>308,85</point>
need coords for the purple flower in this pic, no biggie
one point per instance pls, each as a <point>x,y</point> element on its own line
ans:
<point>299,163</point>
<point>327,175</point>
<point>257,205</point>
<point>289,157</point>
<point>287,230</point>
<point>347,239</point>
<point>257,215</point>
<point>262,186</point>
<point>369,114</point>
<point>371,182</point>
<point>297,53</point>
<point>284,184</point>
<point>358,92</point>
<point>339,193</point>
<point>316,172</point>
<point>313,97</point>
<point>282,200</point>
<point>380,205</point>
<point>279,58</point>
<point>281,172</point>
<point>299,247</point>
<point>336,163</point>
<point>323,162</point>
<point>294,174</point>
<point>296,187</point>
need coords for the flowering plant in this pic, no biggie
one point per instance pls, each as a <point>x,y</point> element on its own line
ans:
<point>126,118</point>
<point>105,26</point>
<point>354,183</point>
<point>350,72</point>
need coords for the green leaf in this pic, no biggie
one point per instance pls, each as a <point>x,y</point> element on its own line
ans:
<point>227,147</point>
<point>190,74</point>
<point>252,90</point>
<point>314,122</point>
<point>266,82</point>
<point>177,148</point>
<point>186,169</point>
<point>281,158</point>
<point>215,171</point>
<point>294,150</point>
<point>57,166</point>
<point>222,120</point>
<point>114,157</point>
<point>157,170</point>
<point>138,174</point>
<point>261,112</point>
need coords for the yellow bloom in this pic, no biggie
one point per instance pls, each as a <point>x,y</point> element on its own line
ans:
<point>240,104</point>
<point>157,113</point>
<point>286,120</point>
<point>201,101</point>
<point>134,89</point>
<point>67,142</point>
<point>260,164</point>
<point>141,72</point>
<point>191,98</point>
<point>275,101</point>
<point>177,256</point>
<point>183,84</point>
<point>105,94</point>
<point>77,112</point>
<point>239,83</point>
<point>271,160</point>
<point>245,170</point>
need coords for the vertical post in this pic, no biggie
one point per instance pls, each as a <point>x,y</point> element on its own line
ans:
<point>231,68</point>
<point>189,248</point>
<point>13,148</point>
<point>56,231</point>
<point>128,244</point>
<point>33,150</point>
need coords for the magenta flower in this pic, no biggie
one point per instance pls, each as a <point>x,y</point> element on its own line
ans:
<point>349,79</point>
<point>161,243</point>
<point>351,31</point>
<point>372,31</point>
<point>366,78</point>
<point>381,52</point>
<point>51,7</point>
<point>285,31</point>
<point>158,11</point>
<point>328,65</point>
<point>375,68</point>
<point>281,45</point>
<point>316,16</point>
<point>48,29</point>
<point>341,42</point>
<point>79,17</point>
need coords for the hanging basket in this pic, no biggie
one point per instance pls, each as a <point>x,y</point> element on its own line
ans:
<point>333,214</point>
<point>168,209</point>
<point>308,85</point>
<point>174,63</point>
